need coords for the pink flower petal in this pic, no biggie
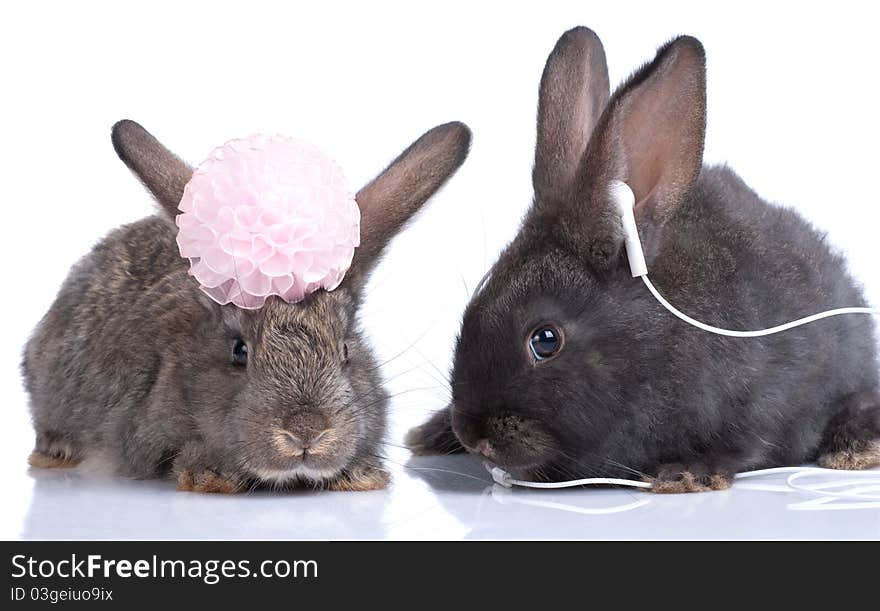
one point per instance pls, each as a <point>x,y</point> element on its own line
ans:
<point>242,267</point>
<point>282,284</point>
<point>278,264</point>
<point>218,294</point>
<point>235,246</point>
<point>187,221</point>
<point>219,261</point>
<point>261,249</point>
<point>205,275</point>
<point>257,284</point>
<point>271,216</point>
<point>225,220</point>
<point>204,208</point>
<point>193,241</point>
<point>246,216</point>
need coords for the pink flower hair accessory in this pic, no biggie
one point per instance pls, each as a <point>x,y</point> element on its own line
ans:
<point>267,215</point>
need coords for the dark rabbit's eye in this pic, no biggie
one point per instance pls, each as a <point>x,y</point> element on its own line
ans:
<point>344,353</point>
<point>545,342</point>
<point>240,352</point>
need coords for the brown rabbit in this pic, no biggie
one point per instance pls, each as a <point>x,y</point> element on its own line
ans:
<point>134,364</point>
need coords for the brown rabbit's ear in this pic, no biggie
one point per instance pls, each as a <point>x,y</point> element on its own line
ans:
<point>574,92</point>
<point>160,170</point>
<point>403,187</point>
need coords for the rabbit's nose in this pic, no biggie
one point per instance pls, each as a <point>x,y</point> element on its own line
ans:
<point>305,442</point>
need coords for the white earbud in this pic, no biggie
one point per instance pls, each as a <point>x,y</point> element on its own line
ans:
<point>625,200</point>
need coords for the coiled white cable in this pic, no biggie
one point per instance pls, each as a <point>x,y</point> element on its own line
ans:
<point>862,491</point>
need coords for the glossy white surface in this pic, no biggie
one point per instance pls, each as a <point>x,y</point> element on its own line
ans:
<point>451,497</point>
<point>427,501</point>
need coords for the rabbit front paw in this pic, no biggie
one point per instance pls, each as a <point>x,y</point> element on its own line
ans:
<point>197,470</point>
<point>54,460</point>
<point>360,479</point>
<point>54,451</point>
<point>434,437</point>
<point>675,478</point>
<point>208,480</point>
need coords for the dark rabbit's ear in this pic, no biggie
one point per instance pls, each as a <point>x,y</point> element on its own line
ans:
<point>574,92</point>
<point>657,124</point>
<point>403,187</point>
<point>160,170</point>
<point>650,136</point>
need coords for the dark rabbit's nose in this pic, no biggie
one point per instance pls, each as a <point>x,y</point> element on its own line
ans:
<point>505,428</point>
<point>498,433</point>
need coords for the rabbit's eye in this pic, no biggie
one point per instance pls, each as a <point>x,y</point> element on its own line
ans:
<point>240,353</point>
<point>344,353</point>
<point>545,342</point>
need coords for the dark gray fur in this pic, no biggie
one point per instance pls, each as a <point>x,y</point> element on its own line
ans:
<point>635,391</point>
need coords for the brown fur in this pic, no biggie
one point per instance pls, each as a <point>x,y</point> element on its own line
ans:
<point>54,451</point>
<point>361,480</point>
<point>44,461</point>
<point>393,197</point>
<point>853,459</point>
<point>675,479</point>
<point>134,362</point>
<point>208,481</point>
<point>159,169</point>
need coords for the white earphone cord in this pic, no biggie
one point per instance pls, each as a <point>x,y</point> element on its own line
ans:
<point>762,332</point>
<point>865,490</point>
<point>625,200</point>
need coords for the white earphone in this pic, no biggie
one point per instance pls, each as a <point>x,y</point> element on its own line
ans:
<point>626,201</point>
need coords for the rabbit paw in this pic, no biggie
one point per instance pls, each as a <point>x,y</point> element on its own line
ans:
<point>53,460</point>
<point>675,478</point>
<point>53,451</point>
<point>434,436</point>
<point>207,480</point>
<point>361,479</point>
<point>853,458</point>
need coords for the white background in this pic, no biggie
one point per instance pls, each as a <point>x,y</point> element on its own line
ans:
<point>792,107</point>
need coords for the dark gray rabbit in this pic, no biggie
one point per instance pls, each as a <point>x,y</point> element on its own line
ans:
<point>134,364</point>
<point>567,367</point>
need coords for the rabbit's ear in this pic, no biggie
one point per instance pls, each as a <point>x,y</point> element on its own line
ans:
<point>657,126</point>
<point>160,170</point>
<point>574,92</point>
<point>651,137</point>
<point>399,191</point>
